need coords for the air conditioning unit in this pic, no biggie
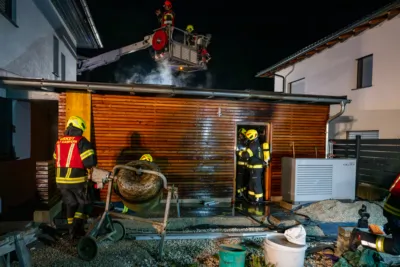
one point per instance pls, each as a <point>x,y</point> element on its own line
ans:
<point>309,180</point>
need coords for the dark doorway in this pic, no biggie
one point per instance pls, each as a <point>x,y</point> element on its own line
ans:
<point>264,135</point>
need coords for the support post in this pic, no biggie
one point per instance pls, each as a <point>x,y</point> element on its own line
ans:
<point>358,148</point>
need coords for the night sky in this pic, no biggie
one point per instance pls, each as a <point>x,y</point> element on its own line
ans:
<point>246,38</point>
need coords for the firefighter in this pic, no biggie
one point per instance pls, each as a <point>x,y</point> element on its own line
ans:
<point>146,157</point>
<point>241,183</point>
<point>204,56</point>
<point>168,17</point>
<point>391,210</point>
<point>191,36</point>
<point>255,165</point>
<point>74,155</point>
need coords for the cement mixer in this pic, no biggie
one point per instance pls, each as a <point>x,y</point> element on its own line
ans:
<point>140,185</point>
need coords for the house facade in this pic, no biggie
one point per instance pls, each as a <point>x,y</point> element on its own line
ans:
<point>39,39</point>
<point>360,61</point>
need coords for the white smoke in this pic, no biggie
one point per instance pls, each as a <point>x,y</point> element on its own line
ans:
<point>161,75</point>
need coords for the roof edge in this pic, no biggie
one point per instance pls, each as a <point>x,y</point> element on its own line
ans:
<point>366,19</point>
<point>171,90</point>
<point>91,23</point>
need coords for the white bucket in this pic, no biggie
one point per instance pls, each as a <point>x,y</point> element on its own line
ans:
<point>282,253</point>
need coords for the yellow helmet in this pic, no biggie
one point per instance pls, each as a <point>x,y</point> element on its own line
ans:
<point>147,157</point>
<point>189,28</point>
<point>242,131</point>
<point>251,134</point>
<point>77,122</point>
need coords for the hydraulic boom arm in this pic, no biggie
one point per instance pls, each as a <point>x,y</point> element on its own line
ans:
<point>112,56</point>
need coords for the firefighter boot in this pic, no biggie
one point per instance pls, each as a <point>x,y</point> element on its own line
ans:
<point>77,229</point>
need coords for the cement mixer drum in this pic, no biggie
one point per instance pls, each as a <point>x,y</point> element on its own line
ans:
<point>139,188</point>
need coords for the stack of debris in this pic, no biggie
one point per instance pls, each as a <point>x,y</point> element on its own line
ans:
<point>46,183</point>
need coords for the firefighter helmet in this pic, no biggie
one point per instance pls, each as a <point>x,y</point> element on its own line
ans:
<point>147,157</point>
<point>251,134</point>
<point>77,122</point>
<point>168,4</point>
<point>242,131</point>
<point>189,28</point>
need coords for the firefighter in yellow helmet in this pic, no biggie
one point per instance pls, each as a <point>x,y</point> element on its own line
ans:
<point>191,36</point>
<point>146,157</point>
<point>73,156</point>
<point>255,166</point>
<point>241,181</point>
<point>189,28</point>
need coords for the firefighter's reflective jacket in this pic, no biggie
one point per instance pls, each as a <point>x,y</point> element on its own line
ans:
<point>73,156</point>
<point>253,155</point>
<point>392,202</point>
<point>167,18</point>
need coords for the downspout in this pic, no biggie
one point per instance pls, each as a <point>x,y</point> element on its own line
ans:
<point>284,82</point>
<point>331,118</point>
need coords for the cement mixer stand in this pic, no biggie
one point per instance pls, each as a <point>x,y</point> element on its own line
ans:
<point>106,228</point>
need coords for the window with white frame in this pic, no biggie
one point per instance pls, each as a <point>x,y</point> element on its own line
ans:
<point>373,134</point>
<point>364,71</point>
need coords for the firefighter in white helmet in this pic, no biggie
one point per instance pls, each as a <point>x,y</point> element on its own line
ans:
<point>255,166</point>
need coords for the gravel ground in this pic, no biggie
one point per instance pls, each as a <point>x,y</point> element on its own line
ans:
<point>141,253</point>
<point>336,211</point>
<point>144,253</point>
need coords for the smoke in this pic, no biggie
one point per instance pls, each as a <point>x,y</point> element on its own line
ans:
<point>163,75</point>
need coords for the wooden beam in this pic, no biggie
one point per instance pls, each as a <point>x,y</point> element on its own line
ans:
<point>393,13</point>
<point>345,36</point>
<point>361,29</point>
<point>80,104</point>
<point>332,43</point>
<point>320,48</point>
<point>310,53</point>
<point>377,20</point>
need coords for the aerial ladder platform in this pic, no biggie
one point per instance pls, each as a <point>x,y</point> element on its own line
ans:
<point>181,51</point>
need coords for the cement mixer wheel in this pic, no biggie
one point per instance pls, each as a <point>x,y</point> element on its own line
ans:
<point>87,248</point>
<point>119,231</point>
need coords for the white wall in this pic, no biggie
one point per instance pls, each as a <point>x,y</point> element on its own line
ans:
<point>334,72</point>
<point>27,50</point>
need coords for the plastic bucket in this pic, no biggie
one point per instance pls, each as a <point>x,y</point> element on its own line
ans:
<point>232,256</point>
<point>282,253</point>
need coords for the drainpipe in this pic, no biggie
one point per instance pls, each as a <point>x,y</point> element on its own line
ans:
<point>284,82</point>
<point>337,115</point>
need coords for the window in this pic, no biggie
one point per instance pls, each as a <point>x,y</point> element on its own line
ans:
<point>364,72</point>
<point>56,49</point>
<point>298,86</point>
<point>63,67</point>
<point>8,9</point>
<point>364,134</point>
